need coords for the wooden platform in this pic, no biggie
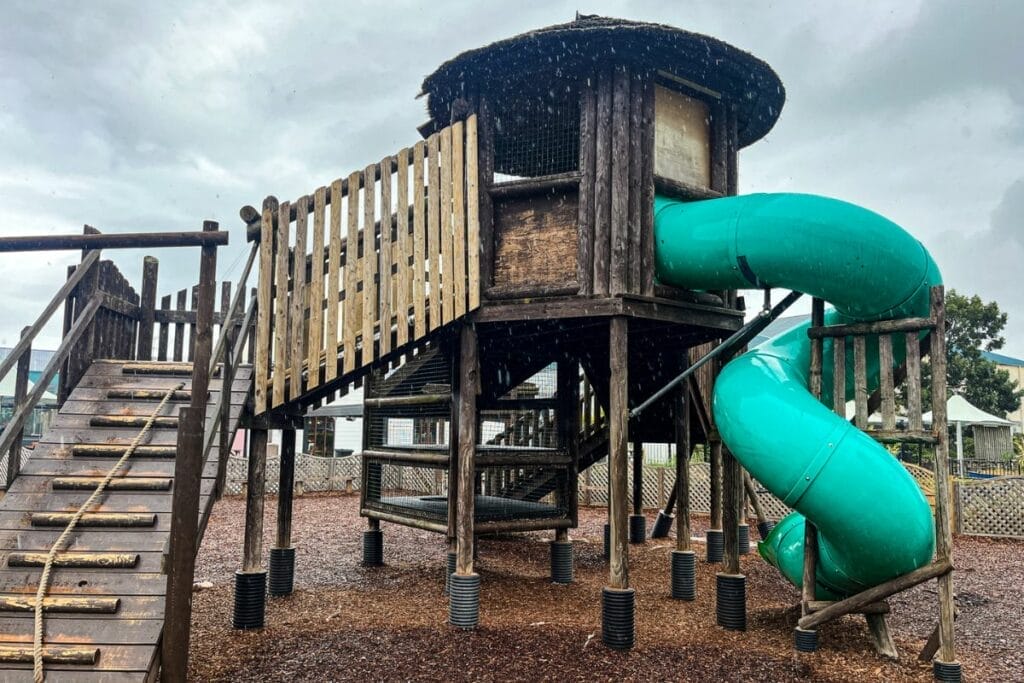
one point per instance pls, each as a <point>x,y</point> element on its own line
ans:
<point>56,479</point>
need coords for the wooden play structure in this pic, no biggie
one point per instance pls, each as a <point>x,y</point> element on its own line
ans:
<point>491,288</point>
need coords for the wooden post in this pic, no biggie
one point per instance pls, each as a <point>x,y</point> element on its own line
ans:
<point>716,481</point>
<point>188,471</point>
<point>618,436</point>
<point>147,308</point>
<point>732,499</point>
<point>568,416</point>
<point>682,488</point>
<point>252,544</point>
<point>20,392</point>
<point>227,375</point>
<point>810,568</point>
<point>943,532</point>
<point>469,386</point>
<point>286,489</point>
<point>638,477</point>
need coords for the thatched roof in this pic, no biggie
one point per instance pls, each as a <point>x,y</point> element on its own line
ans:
<point>568,51</point>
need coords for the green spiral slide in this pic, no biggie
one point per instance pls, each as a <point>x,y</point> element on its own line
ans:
<point>873,521</point>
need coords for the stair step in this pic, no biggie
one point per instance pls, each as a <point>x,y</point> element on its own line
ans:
<point>52,654</point>
<point>132,421</point>
<point>103,450</point>
<point>148,394</point>
<point>176,369</point>
<point>116,484</point>
<point>95,519</point>
<point>76,560</point>
<point>64,605</point>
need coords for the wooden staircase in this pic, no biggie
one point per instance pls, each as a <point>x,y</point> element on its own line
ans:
<point>105,607</point>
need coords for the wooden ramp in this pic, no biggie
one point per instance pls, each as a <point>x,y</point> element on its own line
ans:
<point>104,616</point>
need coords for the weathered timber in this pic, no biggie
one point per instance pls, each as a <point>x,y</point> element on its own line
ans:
<point>681,420</point>
<point>149,394</point>
<point>878,327</point>
<point>75,560</point>
<point>619,268</point>
<point>585,219</point>
<point>618,436</point>
<point>94,519</point>
<point>469,387</point>
<point>126,421</point>
<point>60,604</point>
<point>52,654</point>
<point>116,484</point>
<point>124,240</point>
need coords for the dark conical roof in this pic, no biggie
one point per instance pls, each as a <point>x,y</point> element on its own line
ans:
<point>570,50</point>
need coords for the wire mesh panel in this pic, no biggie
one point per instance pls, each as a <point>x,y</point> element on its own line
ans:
<point>507,492</point>
<point>407,489</point>
<point>537,135</point>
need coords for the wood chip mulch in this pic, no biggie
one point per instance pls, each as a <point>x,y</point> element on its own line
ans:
<point>345,622</point>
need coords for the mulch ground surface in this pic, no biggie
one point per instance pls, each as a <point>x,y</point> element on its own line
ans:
<point>345,622</point>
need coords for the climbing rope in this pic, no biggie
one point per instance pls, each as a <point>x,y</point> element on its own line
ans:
<point>58,546</point>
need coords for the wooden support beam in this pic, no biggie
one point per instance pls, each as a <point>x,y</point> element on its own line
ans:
<point>20,404</point>
<point>147,308</point>
<point>252,549</point>
<point>286,489</point>
<point>880,592</point>
<point>188,471</point>
<point>810,565</point>
<point>943,531</point>
<point>638,477</point>
<point>716,480</point>
<point>469,388</point>
<point>681,420</point>
<point>568,416</point>
<point>732,502</point>
<point>618,437</point>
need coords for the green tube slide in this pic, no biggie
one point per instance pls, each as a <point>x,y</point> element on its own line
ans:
<point>873,521</point>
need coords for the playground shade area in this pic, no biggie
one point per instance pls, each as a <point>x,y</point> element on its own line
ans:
<point>345,622</point>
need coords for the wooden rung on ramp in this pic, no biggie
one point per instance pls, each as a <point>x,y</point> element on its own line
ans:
<point>22,654</point>
<point>148,394</point>
<point>95,519</point>
<point>116,484</point>
<point>88,450</point>
<point>76,560</point>
<point>65,605</point>
<point>134,421</point>
<point>174,369</point>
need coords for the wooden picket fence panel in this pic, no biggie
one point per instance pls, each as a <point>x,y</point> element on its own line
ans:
<point>364,291</point>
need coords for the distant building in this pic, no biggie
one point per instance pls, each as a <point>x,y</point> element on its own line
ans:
<point>37,363</point>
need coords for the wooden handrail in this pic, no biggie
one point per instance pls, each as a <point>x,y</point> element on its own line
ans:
<point>225,394</point>
<point>63,351</point>
<point>218,349</point>
<point>26,340</point>
<point>124,240</point>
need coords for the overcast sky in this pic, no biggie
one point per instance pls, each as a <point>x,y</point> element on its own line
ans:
<point>154,116</point>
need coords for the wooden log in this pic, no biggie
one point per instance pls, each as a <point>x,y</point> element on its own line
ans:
<point>147,308</point>
<point>839,377</point>
<point>264,306</point>
<point>128,421</point>
<point>755,500</point>
<point>60,604</point>
<point>881,638</point>
<point>125,240</point>
<point>404,250</point>
<point>369,265</point>
<point>913,376</point>
<point>74,560</point>
<point>808,589</point>
<point>106,450</point>
<point>716,480</point>
<point>296,350</point>
<point>286,489</point>
<point>681,420</point>
<point>469,388</point>
<point>618,436</point>
<point>94,519</point>
<point>20,405</point>
<point>473,215</point>
<point>179,328</point>
<point>732,504</point>
<point>188,469</point>
<point>588,138</point>
<point>163,339</point>
<point>603,183</point>
<point>384,284</point>
<point>412,400</point>
<point>279,371</point>
<point>320,338</point>
<point>404,520</point>
<point>52,654</point>
<point>634,227</point>
<point>485,154</point>
<point>353,274</point>
<point>433,242</point>
<point>403,456</point>
<point>871,595</point>
<point>880,607</point>
<point>943,531</point>
<point>885,363</point>
<point>458,179</point>
<point>638,477</point>
<point>252,549</point>
<point>878,327</point>
<point>619,266</point>
<point>117,484</point>
<point>860,382</point>
<point>192,325</point>
<point>166,369</point>
<point>419,242</point>
<point>229,362</point>
<point>647,189</point>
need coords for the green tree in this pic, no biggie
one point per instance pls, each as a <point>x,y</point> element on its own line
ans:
<point>973,326</point>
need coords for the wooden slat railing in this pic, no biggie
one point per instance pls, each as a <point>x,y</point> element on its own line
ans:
<point>407,264</point>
